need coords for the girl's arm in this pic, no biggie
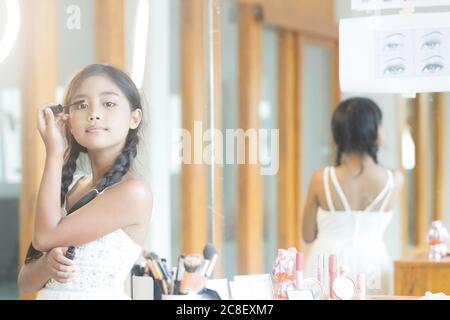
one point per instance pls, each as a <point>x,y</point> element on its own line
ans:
<point>34,275</point>
<point>310,211</point>
<point>128,203</point>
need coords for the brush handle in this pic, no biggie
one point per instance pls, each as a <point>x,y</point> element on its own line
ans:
<point>184,282</point>
<point>57,109</point>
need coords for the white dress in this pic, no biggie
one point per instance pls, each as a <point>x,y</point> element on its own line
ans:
<point>104,265</point>
<point>356,237</point>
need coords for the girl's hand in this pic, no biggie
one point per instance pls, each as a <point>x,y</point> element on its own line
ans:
<point>60,268</point>
<point>51,128</point>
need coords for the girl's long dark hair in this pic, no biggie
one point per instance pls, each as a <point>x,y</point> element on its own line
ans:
<point>355,125</point>
<point>123,161</point>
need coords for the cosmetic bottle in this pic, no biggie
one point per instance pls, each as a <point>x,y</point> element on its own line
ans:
<point>360,287</point>
<point>437,238</point>
<point>283,272</point>
<point>299,269</point>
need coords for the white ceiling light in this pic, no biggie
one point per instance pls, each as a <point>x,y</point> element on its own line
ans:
<point>12,28</point>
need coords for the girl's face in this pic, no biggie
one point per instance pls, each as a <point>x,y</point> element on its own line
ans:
<point>104,118</point>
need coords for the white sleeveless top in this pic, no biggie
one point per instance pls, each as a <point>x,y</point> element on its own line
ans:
<point>104,265</point>
<point>355,236</point>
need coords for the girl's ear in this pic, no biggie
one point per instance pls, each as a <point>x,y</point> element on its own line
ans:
<point>136,117</point>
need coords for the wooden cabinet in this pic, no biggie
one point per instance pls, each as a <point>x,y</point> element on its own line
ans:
<point>413,277</point>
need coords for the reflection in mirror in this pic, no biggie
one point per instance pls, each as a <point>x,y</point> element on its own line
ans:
<point>424,151</point>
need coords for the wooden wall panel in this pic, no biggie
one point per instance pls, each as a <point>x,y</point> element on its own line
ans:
<point>38,81</point>
<point>193,92</point>
<point>419,132</point>
<point>439,155</point>
<point>249,198</point>
<point>289,195</point>
<point>110,32</point>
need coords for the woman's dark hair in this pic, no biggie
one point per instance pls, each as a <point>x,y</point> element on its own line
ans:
<point>124,160</point>
<point>355,125</point>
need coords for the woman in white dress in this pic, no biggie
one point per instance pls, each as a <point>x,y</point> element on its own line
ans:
<point>350,205</point>
<point>110,209</point>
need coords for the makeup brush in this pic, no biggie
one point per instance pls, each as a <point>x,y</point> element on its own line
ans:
<point>207,258</point>
<point>179,274</point>
<point>160,265</point>
<point>164,274</point>
<point>70,253</point>
<point>193,280</point>
<point>60,108</point>
<point>211,255</point>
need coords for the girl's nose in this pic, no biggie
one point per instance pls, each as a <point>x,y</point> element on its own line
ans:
<point>94,117</point>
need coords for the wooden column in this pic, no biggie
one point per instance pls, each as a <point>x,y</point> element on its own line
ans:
<point>420,195</point>
<point>249,198</point>
<point>289,208</point>
<point>110,32</point>
<point>193,91</point>
<point>439,155</point>
<point>38,80</point>
<point>335,88</point>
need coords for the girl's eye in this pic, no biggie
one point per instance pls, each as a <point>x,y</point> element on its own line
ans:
<point>82,106</point>
<point>109,104</point>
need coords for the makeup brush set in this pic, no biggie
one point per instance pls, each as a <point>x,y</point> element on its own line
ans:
<point>187,278</point>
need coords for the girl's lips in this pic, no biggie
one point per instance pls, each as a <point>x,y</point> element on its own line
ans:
<point>95,130</point>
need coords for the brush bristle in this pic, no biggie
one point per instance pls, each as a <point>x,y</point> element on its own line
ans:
<point>209,251</point>
<point>193,262</point>
<point>154,256</point>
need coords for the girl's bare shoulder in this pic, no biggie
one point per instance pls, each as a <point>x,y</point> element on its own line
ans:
<point>399,177</point>
<point>317,178</point>
<point>136,192</point>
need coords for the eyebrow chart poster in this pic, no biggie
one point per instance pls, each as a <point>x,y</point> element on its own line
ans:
<point>395,53</point>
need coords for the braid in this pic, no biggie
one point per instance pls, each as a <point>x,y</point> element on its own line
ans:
<point>69,169</point>
<point>122,164</point>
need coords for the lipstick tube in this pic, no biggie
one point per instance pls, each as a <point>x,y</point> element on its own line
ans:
<point>332,271</point>
<point>320,268</point>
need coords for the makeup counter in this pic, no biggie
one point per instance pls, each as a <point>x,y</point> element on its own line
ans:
<point>191,280</point>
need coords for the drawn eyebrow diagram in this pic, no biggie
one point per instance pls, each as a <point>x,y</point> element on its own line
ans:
<point>394,35</point>
<point>393,42</point>
<point>434,57</point>
<point>438,33</point>
<point>431,40</point>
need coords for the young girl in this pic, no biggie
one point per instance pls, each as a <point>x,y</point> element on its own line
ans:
<point>108,230</point>
<point>350,205</point>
